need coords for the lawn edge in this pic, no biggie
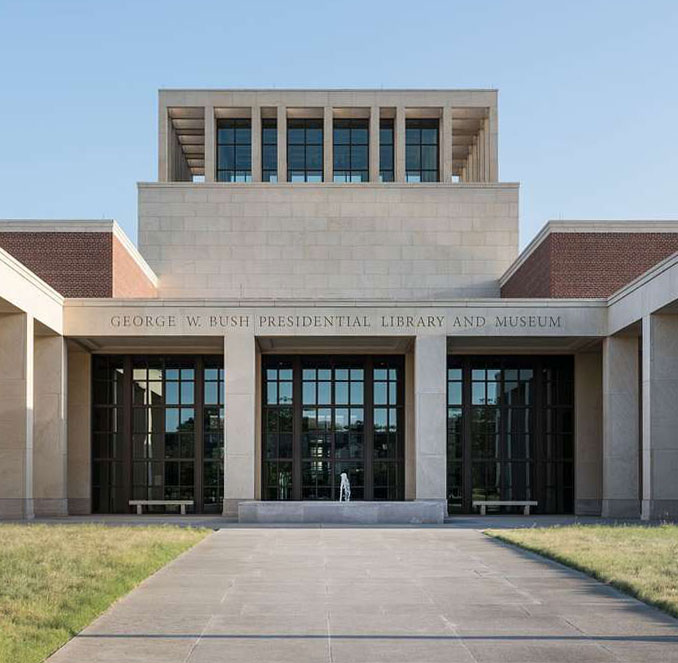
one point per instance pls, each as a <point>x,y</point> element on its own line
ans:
<point>623,587</point>
<point>121,598</point>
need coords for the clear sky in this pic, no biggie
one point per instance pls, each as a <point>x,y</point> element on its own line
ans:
<point>588,105</point>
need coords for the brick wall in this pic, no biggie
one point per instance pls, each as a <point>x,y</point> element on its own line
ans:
<point>75,264</point>
<point>588,264</point>
<point>533,277</point>
<point>80,264</point>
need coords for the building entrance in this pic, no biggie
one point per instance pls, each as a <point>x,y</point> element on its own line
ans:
<point>322,416</point>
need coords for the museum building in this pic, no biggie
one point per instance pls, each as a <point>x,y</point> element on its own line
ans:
<point>328,282</point>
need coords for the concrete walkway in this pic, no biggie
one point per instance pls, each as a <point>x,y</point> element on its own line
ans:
<point>364,594</point>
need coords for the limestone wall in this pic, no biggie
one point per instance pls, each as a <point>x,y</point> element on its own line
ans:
<point>338,241</point>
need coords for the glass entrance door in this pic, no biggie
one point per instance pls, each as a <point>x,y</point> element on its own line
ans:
<point>323,416</point>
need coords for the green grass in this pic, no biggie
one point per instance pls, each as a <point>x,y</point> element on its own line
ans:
<point>641,561</point>
<point>55,579</point>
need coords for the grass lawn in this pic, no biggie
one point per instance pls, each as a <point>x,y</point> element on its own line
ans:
<point>55,579</point>
<point>642,561</point>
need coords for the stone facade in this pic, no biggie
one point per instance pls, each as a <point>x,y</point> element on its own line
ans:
<point>423,271</point>
<point>307,241</point>
<point>468,128</point>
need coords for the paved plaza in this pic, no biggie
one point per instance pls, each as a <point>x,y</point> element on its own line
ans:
<point>370,594</point>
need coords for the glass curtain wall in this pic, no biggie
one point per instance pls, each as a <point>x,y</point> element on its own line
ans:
<point>305,150</point>
<point>510,432</point>
<point>234,150</point>
<point>157,431</point>
<point>351,144</point>
<point>421,150</point>
<point>278,430</point>
<point>386,150</point>
<point>269,150</point>
<point>108,435</point>
<point>325,416</point>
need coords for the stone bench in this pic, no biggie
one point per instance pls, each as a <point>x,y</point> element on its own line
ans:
<point>139,504</point>
<point>483,504</point>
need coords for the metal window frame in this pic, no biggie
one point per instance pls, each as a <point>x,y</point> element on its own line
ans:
<point>420,171</point>
<point>391,122</point>
<point>123,496</point>
<point>220,124</point>
<point>367,363</point>
<point>350,171</point>
<point>565,364</point>
<point>317,123</point>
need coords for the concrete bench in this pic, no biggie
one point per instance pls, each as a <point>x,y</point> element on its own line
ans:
<point>483,504</point>
<point>139,504</point>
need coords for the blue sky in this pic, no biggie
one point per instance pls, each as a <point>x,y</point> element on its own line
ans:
<point>588,104</point>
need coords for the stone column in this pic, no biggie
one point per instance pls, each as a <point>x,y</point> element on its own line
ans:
<point>50,441</point>
<point>620,427</point>
<point>588,433</point>
<point>488,152</point>
<point>481,153</point>
<point>374,144</point>
<point>399,143</point>
<point>282,144</point>
<point>446,145</point>
<point>16,415</point>
<point>430,390</point>
<point>210,145</point>
<point>328,143</point>
<point>240,416</point>
<point>163,144</point>
<point>78,429</point>
<point>660,417</point>
<point>493,165</point>
<point>256,144</point>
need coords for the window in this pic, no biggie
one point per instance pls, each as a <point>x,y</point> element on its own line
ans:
<point>269,150</point>
<point>454,437</point>
<point>108,428</point>
<point>351,150</point>
<point>163,429</point>
<point>234,150</point>
<point>277,434</point>
<point>324,416</point>
<point>305,150</point>
<point>389,442</point>
<point>421,150</point>
<point>213,435</point>
<point>510,431</point>
<point>332,438</point>
<point>386,156</point>
<point>157,431</point>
